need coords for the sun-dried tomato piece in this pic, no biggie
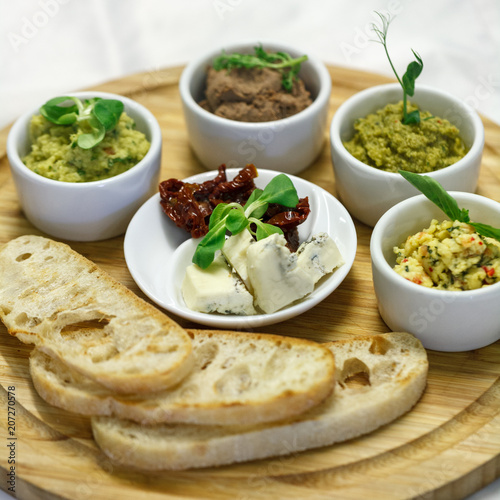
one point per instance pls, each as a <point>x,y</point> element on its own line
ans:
<point>238,190</point>
<point>179,203</point>
<point>287,219</point>
<point>190,205</point>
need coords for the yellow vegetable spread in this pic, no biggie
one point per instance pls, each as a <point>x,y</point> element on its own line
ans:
<point>381,140</point>
<point>55,155</point>
<point>449,256</point>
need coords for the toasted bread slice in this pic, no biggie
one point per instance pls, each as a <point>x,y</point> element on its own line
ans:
<point>393,371</point>
<point>238,378</point>
<point>58,300</point>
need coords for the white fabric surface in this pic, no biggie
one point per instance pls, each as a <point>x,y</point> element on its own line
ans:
<point>52,47</point>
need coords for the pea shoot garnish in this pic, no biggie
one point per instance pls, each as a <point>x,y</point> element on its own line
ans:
<point>94,116</point>
<point>438,195</point>
<point>281,61</point>
<point>412,71</point>
<point>234,218</point>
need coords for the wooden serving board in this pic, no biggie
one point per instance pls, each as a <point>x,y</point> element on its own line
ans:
<point>448,446</point>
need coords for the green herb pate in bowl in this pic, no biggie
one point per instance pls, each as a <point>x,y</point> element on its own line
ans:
<point>83,164</point>
<point>93,140</point>
<point>379,131</point>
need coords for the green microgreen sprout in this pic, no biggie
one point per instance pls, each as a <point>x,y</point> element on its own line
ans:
<point>412,71</point>
<point>289,67</point>
<point>234,218</point>
<point>440,197</point>
<point>95,116</point>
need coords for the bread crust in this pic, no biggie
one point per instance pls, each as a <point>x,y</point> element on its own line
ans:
<point>55,298</point>
<point>395,363</point>
<point>238,378</point>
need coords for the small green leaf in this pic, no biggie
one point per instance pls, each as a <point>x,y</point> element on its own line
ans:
<point>236,221</point>
<point>108,112</point>
<point>218,213</point>
<point>437,194</point>
<point>89,140</point>
<point>411,118</point>
<point>280,190</point>
<point>253,207</point>
<point>94,116</point>
<point>485,230</point>
<point>254,196</point>
<point>213,241</point>
<point>264,230</point>
<point>412,73</point>
<point>54,111</point>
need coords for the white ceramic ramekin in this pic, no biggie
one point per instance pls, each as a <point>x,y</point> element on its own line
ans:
<point>368,192</point>
<point>443,320</point>
<point>87,211</point>
<point>288,145</point>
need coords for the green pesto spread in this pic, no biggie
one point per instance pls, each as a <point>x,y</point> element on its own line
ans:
<point>54,153</point>
<point>382,141</point>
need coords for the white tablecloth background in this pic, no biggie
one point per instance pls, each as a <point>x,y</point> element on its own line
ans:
<point>53,47</point>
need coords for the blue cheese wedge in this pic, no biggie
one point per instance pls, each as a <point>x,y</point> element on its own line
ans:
<point>216,289</point>
<point>235,251</point>
<point>319,255</point>
<point>276,278</point>
<point>280,277</point>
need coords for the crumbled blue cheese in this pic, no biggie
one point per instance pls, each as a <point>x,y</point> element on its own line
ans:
<point>216,290</point>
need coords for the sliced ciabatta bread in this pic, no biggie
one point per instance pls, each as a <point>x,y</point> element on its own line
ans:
<point>238,378</point>
<point>53,297</point>
<point>392,373</point>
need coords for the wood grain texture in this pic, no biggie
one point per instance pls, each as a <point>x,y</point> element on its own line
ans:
<point>446,448</point>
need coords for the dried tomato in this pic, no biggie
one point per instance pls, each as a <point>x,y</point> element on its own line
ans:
<point>238,190</point>
<point>287,219</point>
<point>190,205</point>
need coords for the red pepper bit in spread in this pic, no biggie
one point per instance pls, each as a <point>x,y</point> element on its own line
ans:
<point>490,271</point>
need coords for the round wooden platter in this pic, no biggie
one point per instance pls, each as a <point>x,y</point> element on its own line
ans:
<point>448,446</point>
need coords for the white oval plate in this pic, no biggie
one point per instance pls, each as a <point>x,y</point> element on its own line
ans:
<point>157,253</point>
